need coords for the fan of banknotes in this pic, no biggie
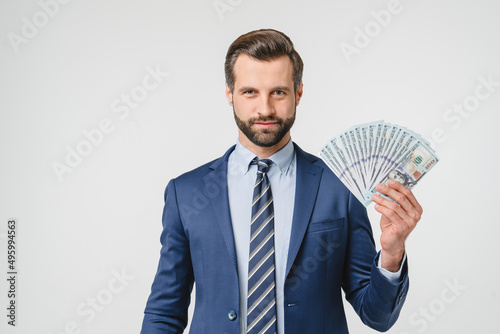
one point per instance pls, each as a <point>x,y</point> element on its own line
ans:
<point>368,154</point>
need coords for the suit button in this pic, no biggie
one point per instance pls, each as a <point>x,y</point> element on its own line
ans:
<point>232,315</point>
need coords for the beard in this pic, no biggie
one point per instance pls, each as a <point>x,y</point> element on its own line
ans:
<point>265,137</point>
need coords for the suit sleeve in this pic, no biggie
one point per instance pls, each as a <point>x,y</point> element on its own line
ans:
<point>167,307</point>
<point>375,299</point>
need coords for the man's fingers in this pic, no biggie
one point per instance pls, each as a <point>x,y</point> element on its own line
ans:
<point>399,197</point>
<point>406,192</point>
<point>408,212</point>
<point>391,210</point>
<point>403,196</point>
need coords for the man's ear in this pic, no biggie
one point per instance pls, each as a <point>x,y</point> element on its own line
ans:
<point>298,94</point>
<point>229,95</point>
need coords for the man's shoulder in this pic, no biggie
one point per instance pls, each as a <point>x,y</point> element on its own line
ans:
<point>199,173</point>
<point>328,176</point>
<point>313,159</point>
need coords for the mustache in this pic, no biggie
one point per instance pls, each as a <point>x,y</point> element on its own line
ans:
<point>265,119</point>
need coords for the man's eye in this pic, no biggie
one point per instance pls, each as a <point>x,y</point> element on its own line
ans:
<point>279,92</point>
<point>249,92</point>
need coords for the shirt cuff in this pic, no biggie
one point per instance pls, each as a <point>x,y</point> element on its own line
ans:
<point>389,275</point>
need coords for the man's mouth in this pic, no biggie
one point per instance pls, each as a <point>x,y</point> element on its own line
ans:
<point>265,125</point>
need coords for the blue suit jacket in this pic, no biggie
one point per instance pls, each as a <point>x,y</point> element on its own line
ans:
<point>331,248</point>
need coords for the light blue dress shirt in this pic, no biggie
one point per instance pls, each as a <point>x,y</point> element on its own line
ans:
<point>241,178</point>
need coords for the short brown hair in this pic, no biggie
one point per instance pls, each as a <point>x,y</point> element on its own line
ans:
<point>266,45</point>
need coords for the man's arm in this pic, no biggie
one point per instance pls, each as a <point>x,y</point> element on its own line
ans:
<point>375,298</point>
<point>378,300</point>
<point>397,222</point>
<point>167,306</point>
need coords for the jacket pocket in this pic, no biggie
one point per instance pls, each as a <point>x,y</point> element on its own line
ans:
<point>329,224</point>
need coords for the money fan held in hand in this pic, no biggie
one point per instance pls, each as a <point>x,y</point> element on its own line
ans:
<point>372,153</point>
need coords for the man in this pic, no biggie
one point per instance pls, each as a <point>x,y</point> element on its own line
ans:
<point>267,231</point>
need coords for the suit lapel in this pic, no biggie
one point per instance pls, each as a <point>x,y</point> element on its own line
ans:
<point>308,177</point>
<point>220,203</point>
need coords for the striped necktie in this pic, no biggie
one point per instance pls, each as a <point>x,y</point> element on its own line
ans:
<point>261,302</point>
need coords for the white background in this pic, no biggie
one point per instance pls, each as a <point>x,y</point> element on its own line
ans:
<point>104,216</point>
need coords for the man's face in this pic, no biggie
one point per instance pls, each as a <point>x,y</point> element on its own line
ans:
<point>264,100</point>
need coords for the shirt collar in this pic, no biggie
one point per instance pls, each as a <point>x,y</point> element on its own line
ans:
<point>283,158</point>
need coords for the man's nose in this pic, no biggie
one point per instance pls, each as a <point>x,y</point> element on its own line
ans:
<point>266,107</point>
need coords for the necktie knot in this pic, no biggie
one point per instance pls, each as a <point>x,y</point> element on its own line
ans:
<point>262,164</point>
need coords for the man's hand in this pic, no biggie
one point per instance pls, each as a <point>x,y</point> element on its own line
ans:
<point>397,222</point>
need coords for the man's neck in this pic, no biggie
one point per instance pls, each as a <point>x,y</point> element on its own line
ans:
<point>261,151</point>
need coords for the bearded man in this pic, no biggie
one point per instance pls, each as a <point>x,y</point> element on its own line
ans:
<point>277,236</point>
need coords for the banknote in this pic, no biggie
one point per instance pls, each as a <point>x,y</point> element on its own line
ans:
<point>372,153</point>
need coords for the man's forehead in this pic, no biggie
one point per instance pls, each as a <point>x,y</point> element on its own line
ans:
<point>249,69</point>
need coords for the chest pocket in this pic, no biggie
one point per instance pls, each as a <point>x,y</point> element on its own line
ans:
<point>324,225</point>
